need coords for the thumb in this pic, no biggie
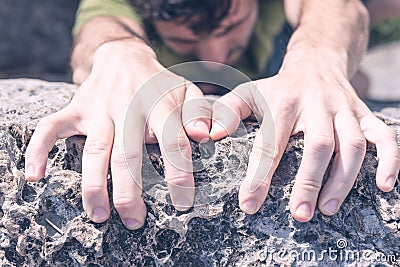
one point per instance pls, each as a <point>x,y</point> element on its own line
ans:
<point>196,113</point>
<point>229,110</point>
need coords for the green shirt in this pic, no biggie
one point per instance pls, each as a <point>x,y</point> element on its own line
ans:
<point>254,60</point>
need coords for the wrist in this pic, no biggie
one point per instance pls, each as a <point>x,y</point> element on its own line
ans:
<point>123,50</point>
<point>126,57</point>
<point>125,62</point>
<point>336,42</point>
<point>119,54</point>
<point>303,56</point>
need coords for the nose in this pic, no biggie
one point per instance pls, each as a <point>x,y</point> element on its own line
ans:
<point>213,50</point>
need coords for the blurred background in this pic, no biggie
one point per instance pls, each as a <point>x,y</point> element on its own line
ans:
<point>35,38</point>
<point>36,42</point>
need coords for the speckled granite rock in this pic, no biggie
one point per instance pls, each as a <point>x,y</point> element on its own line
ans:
<point>44,224</point>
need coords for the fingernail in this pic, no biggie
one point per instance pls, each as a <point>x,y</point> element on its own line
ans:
<point>304,210</point>
<point>390,181</point>
<point>250,206</point>
<point>201,126</point>
<point>182,203</point>
<point>132,224</point>
<point>332,206</point>
<point>30,170</point>
<point>99,214</point>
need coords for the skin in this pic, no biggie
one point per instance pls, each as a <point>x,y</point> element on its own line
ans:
<point>221,46</point>
<point>311,93</point>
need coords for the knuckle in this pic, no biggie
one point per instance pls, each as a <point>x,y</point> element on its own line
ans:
<point>267,151</point>
<point>96,147</point>
<point>310,184</point>
<point>358,146</point>
<point>346,182</point>
<point>321,144</point>
<point>92,191</point>
<point>120,159</point>
<point>283,105</point>
<point>177,180</point>
<point>287,105</point>
<point>180,143</point>
<point>263,184</point>
<point>124,203</point>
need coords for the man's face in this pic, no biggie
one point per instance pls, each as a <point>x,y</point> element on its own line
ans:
<point>224,45</point>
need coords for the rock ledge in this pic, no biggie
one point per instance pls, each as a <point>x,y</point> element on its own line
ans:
<point>44,223</point>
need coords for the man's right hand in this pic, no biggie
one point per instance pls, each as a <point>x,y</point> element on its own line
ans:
<point>98,111</point>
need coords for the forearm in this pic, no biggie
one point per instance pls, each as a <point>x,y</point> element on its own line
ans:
<point>333,33</point>
<point>99,31</point>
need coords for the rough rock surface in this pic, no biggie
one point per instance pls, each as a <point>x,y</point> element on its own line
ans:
<point>35,37</point>
<point>43,223</point>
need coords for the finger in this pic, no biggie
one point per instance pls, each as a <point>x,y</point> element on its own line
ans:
<point>268,148</point>
<point>229,110</point>
<point>95,162</point>
<point>177,155</point>
<point>58,125</point>
<point>318,148</point>
<point>351,147</point>
<point>196,114</point>
<point>127,192</point>
<point>385,139</point>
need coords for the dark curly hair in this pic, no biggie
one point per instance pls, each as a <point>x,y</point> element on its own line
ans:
<point>201,16</point>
